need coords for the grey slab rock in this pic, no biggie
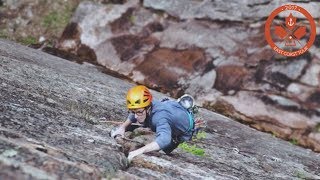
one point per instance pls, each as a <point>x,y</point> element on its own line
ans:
<point>50,110</point>
<point>312,75</point>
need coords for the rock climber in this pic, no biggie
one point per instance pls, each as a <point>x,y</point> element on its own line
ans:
<point>170,119</point>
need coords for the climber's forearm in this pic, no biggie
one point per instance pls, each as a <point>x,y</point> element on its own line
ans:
<point>153,146</point>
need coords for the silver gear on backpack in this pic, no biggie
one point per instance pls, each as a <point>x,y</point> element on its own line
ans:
<point>186,101</point>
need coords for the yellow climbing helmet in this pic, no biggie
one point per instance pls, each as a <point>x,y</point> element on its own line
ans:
<point>138,97</point>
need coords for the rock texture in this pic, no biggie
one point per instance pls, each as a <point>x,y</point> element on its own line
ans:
<point>51,112</point>
<point>213,50</point>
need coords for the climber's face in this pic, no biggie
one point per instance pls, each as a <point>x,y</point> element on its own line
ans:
<point>140,114</point>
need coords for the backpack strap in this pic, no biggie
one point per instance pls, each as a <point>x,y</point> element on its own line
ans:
<point>191,121</point>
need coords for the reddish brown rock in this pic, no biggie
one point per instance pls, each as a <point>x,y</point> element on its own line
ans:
<point>230,78</point>
<point>164,67</point>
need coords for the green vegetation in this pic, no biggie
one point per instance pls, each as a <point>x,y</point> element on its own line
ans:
<point>200,135</point>
<point>57,19</point>
<point>3,34</point>
<point>50,44</point>
<point>54,20</point>
<point>193,149</point>
<point>300,175</point>
<point>294,141</point>
<point>28,40</point>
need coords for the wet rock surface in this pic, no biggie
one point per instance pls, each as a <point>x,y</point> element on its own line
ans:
<point>213,50</point>
<point>51,129</point>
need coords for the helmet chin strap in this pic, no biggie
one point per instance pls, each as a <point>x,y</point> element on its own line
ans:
<point>148,115</point>
<point>148,111</point>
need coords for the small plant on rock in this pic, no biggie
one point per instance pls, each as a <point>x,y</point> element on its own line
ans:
<point>294,141</point>
<point>300,175</point>
<point>193,149</point>
<point>200,135</point>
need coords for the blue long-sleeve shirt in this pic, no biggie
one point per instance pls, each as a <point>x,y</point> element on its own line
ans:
<point>168,119</point>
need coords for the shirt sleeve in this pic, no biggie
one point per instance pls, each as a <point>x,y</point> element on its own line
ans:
<point>163,133</point>
<point>132,118</point>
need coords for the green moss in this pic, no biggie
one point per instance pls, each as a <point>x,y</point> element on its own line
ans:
<point>193,149</point>
<point>300,175</point>
<point>200,135</point>
<point>294,141</point>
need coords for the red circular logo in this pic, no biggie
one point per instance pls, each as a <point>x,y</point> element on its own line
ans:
<point>287,36</point>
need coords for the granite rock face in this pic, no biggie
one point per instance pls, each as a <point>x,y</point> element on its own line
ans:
<point>213,50</point>
<point>52,114</point>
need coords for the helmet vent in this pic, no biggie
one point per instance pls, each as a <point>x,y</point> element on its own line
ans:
<point>137,102</point>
